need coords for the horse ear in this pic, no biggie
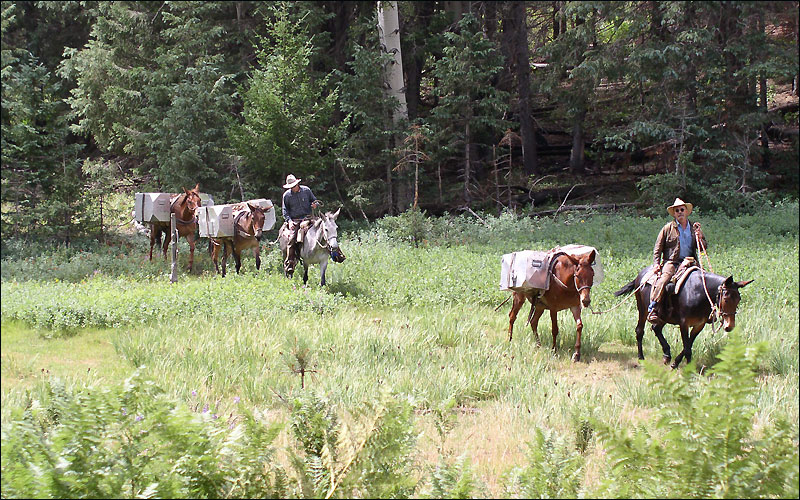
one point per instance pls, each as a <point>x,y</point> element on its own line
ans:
<point>741,284</point>
<point>729,281</point>
<point>574,259</point>
<point>592,256</point>
<point>196,187</point>
<point>252,207</point>
<point>185,190</point>
<point>335,214</point>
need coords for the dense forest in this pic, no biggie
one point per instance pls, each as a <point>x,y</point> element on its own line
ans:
<point>384,106</point>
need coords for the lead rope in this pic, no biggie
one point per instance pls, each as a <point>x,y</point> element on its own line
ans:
<point>620,302</point>
<point>714,308</point>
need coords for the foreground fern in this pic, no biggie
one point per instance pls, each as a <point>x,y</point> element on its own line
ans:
<point>369,457</point>
<point>703,444</point>
<point>133,442</point>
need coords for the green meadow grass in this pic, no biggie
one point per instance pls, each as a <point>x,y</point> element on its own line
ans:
<point>418,320</point>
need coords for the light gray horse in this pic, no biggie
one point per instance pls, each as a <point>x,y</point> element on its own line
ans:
<point>319,243</point>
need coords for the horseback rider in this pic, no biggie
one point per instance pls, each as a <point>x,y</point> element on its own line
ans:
<point>676,243</point>
<point>296,205</point>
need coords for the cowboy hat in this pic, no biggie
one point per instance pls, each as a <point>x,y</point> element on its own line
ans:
<point>291,181</point>
<point>680,203</point>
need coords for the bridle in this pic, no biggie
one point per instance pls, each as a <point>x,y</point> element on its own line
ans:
<point>574,280</point>
<point>323,236</point>
<point>178,219</point>
<point>242,232</point>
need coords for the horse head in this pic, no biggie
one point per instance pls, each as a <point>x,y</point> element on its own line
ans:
<point>584,276</point>
<point>257,219</point>
<point>192,199</point>
<point>329,230</point>
<point>728,298</point>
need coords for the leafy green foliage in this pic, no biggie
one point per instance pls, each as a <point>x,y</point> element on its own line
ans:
<point>130,442</point>
<point>554,469</point>
<point>703,443</point>
<point>41,176</point>
<point>285,112</point>
<point>366,456</point>
<point>154,83</point>
<point>456,480</point>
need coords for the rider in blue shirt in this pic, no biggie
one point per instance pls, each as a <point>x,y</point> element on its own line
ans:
<point>296,206</point>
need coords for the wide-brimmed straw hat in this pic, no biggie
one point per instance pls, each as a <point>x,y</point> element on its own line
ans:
<point>291,181</point>
<point>680,203</point>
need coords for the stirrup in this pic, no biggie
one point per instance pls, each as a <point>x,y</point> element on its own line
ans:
<point>652,317</point>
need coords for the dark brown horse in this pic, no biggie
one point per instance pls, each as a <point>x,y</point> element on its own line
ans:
<point>571,289</point>
<point>690,308</point>
<point>183,206</point>
<point>247,227</point>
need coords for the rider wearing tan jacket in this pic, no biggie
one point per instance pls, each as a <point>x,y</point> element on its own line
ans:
<point>676,241</point>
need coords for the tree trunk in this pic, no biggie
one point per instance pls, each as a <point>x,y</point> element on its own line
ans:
<point>522,70</point>
<point>556,20</point>
<point>467,161</point>
<point>762,84</point>
<point>389,30</point>
<point>577,155</point>
<point>455,9</point>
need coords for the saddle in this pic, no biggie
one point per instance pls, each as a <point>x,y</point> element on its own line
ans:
<point>675,284</point>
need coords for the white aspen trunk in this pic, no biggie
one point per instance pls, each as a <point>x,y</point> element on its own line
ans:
<point>389,32</point>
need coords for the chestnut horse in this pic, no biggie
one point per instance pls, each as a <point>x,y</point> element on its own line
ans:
<point>183,206</point>
<point>690,308</point>
<point>247,227</point>
<point>571,289</point>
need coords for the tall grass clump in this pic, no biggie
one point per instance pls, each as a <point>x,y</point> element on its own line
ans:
<point>703,443</point>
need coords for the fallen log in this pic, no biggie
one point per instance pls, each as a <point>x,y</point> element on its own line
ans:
<point>564,208</point>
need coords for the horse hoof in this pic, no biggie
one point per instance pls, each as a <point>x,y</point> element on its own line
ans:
<point>673,366</point>
<point>576,357</point>
<point>667,359</point>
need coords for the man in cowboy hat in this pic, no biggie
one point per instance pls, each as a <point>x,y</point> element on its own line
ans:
<point>676,241</point>
<point>296,204</point>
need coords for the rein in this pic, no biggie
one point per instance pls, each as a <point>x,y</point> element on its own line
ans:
<point>715,310</point>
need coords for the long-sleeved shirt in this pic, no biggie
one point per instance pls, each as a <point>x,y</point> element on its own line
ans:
<point>668,244</point>
<point>297,205</point>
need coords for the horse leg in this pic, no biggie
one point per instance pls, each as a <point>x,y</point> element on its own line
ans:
<point>693,335</point>
<point>305,272</point>
<point>167,241</point>
<point>642,308</point>
<point>322,267</point>
<point>257,253</point>
<point>657,329</point>
<point>685,339</point>
<point>576,313</point>
<point>554,327</point>
<point>224,257</point>
<point>190,239</point>
<point>518,301</point>
<point>213,249</point>
<point>237,256</point>
<point>152,241</point>
<point>537,311</point>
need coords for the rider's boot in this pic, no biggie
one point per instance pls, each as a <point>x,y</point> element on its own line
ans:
<point>652,312</point>
<point>291,260</point>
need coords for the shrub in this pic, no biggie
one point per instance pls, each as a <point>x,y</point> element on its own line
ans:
<point>703,442</point>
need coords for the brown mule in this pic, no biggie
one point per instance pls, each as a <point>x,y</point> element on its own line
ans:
<point>183,206</point>
<point>571,289</point>
<point>247,230</point>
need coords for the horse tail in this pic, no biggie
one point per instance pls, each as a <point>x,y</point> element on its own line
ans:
<point>626,289</point>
